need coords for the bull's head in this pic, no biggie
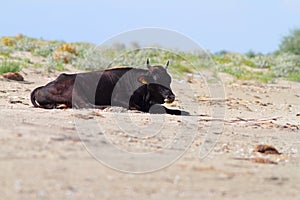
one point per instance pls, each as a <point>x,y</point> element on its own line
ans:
<point>158,83</point>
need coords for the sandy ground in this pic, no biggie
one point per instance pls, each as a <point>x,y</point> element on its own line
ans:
<point>43,157</point>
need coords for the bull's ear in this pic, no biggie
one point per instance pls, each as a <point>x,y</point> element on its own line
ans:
<point>148,63</point>
<point>167,65</point>
<point>143,80</point>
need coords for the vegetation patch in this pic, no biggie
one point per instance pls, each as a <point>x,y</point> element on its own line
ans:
<point>9,66</point>
<point>56,55</point>
<point>294,76</point>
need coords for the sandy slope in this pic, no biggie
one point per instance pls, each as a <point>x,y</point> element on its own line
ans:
<point>42,156</point>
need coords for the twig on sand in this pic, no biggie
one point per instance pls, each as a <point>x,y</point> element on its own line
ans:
<point>262,120</point>
<point>241,120</point>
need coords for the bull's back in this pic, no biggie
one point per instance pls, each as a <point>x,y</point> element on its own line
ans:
<point>98,86</point>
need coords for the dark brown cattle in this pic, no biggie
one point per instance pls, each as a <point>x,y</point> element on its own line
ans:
<point>135,89</point>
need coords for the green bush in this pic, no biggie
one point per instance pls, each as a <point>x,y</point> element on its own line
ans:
<point>291,43</point>
<point>9,66</point>
<point>44,52</point>
<point>294,76</point>
<point>286,64</point>
<point>5,50</point>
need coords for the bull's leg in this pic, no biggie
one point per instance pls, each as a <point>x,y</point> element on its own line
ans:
<point>176,112</point>
<point>159,109</point>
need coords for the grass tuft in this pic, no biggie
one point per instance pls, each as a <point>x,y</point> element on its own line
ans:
<point>9,66</point>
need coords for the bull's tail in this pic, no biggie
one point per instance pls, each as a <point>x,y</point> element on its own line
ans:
<point>33,97</point>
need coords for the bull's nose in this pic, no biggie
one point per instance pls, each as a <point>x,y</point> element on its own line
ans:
<point>170,98</point>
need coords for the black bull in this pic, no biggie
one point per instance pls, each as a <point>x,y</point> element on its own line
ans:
<point>134,89</point>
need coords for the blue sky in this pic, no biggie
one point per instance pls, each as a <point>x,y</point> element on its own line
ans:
<point>234,25</point>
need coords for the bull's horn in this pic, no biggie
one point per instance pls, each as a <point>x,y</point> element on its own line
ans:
<point>167,64</point>
<point>148,63</point>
